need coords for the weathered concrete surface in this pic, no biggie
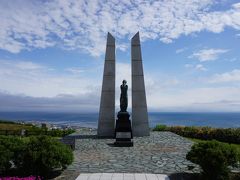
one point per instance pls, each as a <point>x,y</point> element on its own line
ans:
<point>140,124</point>
<point>106,121</point>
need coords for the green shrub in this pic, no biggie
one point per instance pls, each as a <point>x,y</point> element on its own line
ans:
<point>230,135</point>
<point>10,151</point>
<point>160,127</point>
<point>5,158</point>
<point>214,159</point>
<point>176,129</point>
<point>37,155</point>
<point>42,154</point>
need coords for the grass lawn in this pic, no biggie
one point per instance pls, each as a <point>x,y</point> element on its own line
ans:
<point>200,140</point>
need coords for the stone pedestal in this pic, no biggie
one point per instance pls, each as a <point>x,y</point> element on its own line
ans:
<point>123,130</point>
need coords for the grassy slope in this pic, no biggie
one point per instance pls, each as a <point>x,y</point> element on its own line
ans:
<point>4,125</point>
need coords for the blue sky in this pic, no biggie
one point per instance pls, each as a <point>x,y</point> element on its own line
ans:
<point>52,53</point>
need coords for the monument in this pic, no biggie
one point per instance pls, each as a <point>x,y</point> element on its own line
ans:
<point>139,104</point>
<point>123,129</point>
<point>106,121</point>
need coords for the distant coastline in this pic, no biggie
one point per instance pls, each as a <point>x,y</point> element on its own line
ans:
<point>212,119</point>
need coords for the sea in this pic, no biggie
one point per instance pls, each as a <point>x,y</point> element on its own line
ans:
<point>216,119</point>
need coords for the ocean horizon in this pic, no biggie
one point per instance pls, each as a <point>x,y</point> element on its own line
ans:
<point>211,119</point>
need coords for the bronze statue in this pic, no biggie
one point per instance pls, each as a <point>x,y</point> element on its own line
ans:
<point>123,128</point>
<point>123,97</point>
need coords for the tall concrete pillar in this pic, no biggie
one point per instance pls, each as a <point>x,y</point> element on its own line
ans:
<point>106,121</point>
<point>140,124</point>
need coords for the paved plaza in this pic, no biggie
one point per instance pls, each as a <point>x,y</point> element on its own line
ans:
<point>159,153</point>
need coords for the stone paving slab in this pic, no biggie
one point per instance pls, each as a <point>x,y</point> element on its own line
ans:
<point>159,153</point>
<point>121,176</point>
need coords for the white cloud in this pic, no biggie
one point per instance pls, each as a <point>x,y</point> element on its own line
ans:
<point>198,67</point>
<point>188,65</point>
<point>123,47</point>
<point>123,71</point>
<point>75,70</point>
<point>83,24</point>
<point>232,59</point>
<point>49,90</point>
<point>208,54</point>
<point>181,50</point>
<point>32,79</point>
<point>237,5</point>
<point>232,76</point>
<point>195,99</point>
<point>44,87</point>
<point>61,103</point>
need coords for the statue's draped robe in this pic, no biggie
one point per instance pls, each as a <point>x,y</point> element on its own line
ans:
<point>123,98</point>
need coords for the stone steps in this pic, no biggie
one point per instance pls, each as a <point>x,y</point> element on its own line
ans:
<point>121,176</point>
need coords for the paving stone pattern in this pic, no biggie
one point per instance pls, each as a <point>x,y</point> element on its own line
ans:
<point>159,153</point>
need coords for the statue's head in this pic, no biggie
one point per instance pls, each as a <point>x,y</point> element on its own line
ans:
<point>124,81</point>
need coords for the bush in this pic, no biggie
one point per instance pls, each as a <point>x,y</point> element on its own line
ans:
<point>37,155</point>
<point>42,154</point>
<point>10,151</point>
<point>214,159</point>
<point>160,127</point>
<point>5,158</point>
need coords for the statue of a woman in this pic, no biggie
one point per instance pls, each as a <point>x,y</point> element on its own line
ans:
<point>123,97</point>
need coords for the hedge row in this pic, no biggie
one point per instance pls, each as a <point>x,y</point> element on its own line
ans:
<point>230,135</point>
<point>38,131</point>
<point>37,155</point>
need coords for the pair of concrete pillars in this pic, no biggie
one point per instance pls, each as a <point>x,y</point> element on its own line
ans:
<point>106,122</point>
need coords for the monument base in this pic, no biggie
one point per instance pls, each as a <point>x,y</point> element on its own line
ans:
<point>123,130</point>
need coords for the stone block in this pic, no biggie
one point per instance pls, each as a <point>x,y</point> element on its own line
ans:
<point>110,40</point>
<point>137,68</point>
<point>140,130</point>
<point>110,55</point>
<point>108,99</point>
<point>136,39</point>
<point>109,84</point>
<point>140,123</point>
<point>139,114</point>
<point>105,130</point>
<point>106,121</point>
<point>139,99</point>
<point>136,53</point>
<point>106,116</point>
<point>109,69</point>
<point>138,83</point>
